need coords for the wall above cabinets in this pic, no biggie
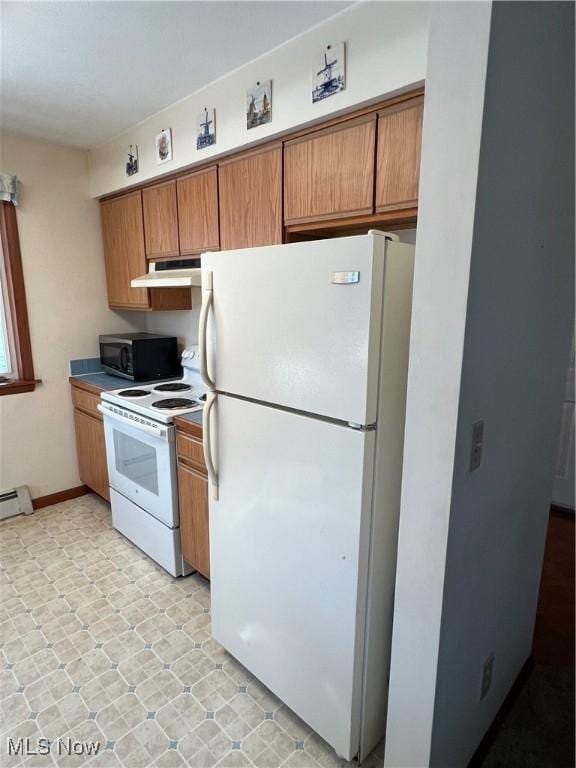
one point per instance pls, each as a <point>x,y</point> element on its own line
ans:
<point>386,53</point>
<point>358,172</point>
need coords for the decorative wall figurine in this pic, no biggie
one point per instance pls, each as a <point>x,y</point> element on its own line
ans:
<point>206,128</point>
<point>132,162</point>
<point>259,104</point>
<point>329,75</point>
<point>164,146</point>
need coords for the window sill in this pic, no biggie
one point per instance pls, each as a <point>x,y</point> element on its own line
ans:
<point>16,386</point>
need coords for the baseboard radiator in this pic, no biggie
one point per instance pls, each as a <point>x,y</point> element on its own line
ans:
<point>15,501</point>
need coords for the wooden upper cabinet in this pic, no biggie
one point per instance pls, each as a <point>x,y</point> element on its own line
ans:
<point>398,155</point>
<point>161,220</point>
<point>250,191</point>
<point>330,174</point>
<point>198,225</point>
<point>125,258</point>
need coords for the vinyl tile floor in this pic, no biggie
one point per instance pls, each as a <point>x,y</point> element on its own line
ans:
<point>100,646</point>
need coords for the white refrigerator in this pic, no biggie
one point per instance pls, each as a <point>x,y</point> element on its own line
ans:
<point>305,350</point>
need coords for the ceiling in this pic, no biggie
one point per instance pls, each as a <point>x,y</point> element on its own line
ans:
<point>79,73</point>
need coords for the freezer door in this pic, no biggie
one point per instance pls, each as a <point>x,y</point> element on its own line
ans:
<point>298,325</point>
<point>288,545</point>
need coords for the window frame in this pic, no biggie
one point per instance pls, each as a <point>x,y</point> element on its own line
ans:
<point>22,379</point>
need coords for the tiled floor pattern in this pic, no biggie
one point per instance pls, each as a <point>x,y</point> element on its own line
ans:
<point>98,644</point>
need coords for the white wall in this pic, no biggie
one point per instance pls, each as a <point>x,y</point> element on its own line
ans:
<point>59,226</point>
<point>182,324</point>
<point>518,332</point>
<point>386,52</point>
<point>492,319</point>
<point>453,107</point>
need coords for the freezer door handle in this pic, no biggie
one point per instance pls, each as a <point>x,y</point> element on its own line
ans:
<point>207,299</point>
<point>207,443</point>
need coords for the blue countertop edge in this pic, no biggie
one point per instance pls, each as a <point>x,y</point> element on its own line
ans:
<point>106,381</point>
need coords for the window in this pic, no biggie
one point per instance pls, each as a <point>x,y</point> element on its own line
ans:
<point>5,356</point>
<point>16,367</point>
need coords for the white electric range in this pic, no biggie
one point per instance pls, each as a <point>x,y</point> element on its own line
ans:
<point>141,457</point>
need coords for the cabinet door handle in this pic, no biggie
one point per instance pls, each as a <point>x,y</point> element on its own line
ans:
<point>207,443</point>
<point>207,299</point>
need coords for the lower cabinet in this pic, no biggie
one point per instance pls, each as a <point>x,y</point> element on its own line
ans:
<point>193,498</point>
<point>90,443</point>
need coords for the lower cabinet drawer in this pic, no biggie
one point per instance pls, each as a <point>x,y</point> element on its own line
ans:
<point>194,531</point>
<point>86,401</point>
<point>190,449</point>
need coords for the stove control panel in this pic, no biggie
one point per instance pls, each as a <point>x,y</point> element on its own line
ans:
<point>191,357</point>
<point>138,421</point>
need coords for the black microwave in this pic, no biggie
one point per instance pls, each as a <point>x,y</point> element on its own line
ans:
<point>140,356</point>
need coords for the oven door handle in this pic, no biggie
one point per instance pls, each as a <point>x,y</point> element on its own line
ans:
<point>159,432</point>
<point>207,299</point>
<point>207,443</point>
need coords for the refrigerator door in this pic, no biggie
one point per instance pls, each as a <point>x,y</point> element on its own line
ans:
<point>289,539</point>
<point>298,325</point>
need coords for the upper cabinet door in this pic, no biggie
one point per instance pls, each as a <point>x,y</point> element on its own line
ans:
<point>198,211</point>
<point>250,188</point>
<point>330,174</point>
<point>398,155</point>
<point>123,235</point>
<point>161,220</point>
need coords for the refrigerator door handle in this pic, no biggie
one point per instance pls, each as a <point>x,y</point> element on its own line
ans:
<point>207,443</point>
<point>207,299</point>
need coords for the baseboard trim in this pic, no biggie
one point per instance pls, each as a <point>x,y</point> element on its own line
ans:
<point>556,509</point>
<point>56,498</point>
<point>483,748</point>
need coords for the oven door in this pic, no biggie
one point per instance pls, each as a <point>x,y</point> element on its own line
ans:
<point>141,461</point>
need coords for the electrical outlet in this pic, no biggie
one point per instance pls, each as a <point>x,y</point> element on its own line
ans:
<point>475,457</point>
<point>487,671</point>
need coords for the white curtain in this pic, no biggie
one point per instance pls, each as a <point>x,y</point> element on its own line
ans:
<point>9,188</point>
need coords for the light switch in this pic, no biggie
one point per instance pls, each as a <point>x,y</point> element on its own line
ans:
<point>477,442</point>
<point>478,432</point>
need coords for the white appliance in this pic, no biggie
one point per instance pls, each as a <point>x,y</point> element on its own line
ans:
<point>176,273</point>
<point>305,349</point>
<point>141,458</point>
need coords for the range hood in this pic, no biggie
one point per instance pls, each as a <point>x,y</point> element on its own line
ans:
<point>170,274</point>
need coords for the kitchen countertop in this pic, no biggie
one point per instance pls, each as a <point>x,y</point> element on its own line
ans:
<point>195,417</point>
